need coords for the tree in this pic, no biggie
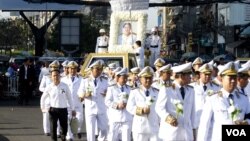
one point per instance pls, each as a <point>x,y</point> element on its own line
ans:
<point>39,33</point>
<point>13,34</point>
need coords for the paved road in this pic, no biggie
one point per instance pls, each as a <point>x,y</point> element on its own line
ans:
<point>22,123</point>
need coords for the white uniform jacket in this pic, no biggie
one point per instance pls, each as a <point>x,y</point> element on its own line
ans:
<point>200,98</point>
<point>113,97</point>
<point>102,42</point>
<point>217,108</point>
<point>94,104</point>
<point>73,87</point>
<point>165,105</point>
<point>160,83</point>
<point>145,124</point>
<point>46,80</point>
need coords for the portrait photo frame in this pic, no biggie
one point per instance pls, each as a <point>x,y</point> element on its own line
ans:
<point>138,18</point>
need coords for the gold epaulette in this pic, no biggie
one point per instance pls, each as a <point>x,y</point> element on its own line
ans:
<point>210,93</point>
<point>155,89</point>
<point>112,85</point>
<point>104,77</point>
<point>215,83</point>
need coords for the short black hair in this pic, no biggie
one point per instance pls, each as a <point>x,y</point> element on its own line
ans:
<point>138,42</point>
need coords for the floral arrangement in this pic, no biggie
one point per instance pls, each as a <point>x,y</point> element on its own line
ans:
<point>150,100</point>
<point>234,112</point>
<point>119,16</point>
<point>123,97</point>
<point>89,90</point>
<point>179,107</point>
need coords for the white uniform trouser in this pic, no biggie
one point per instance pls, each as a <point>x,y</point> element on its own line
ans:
<point>140,63</point>
<point>79,117</point>
<point>117,128</point>
<point>154,55</point>
<point>145,137</point>
<point>102,50</point>
<point>102,124</point>
<point>46,124</point>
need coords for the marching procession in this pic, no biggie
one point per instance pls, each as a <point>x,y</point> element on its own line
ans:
<point>161,103</point>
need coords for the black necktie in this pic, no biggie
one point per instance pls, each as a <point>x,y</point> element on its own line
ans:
<point>95,82</point>
<point>230,96</point>
<point>72,78</point>
<point>182,92</point>
<point>135,85</point>
<point>147,93</point>
<point>204,87</point>
<point>243,92</point>
<point>122,89</point>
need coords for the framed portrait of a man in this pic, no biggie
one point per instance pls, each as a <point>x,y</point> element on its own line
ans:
<point>126,28</point>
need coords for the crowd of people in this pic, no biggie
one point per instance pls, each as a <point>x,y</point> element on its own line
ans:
<point>181,102</point>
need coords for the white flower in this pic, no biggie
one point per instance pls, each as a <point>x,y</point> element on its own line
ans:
<point>149,100</point>
<point>210,92</point>
<point>179,107</point>
<point>233,111</point>
<point>123,97</point>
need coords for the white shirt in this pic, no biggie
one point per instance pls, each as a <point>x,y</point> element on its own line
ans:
<point>59,96</point>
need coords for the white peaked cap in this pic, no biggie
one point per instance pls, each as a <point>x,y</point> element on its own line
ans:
<point>112,65</point>
<point>117,69</point>
<point>184,68</point>
<point>54,64</point>
<point>166,68</point>
<point>102,30</point>
<point>228,69</point>
<point>146,72</point>
<point>97,63</point>
<point>123,71</point>
<point>135,70</point>
<point>65,63</point>
<point>246,64</point>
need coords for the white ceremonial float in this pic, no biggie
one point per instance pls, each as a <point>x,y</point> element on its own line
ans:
<point>127,11</point>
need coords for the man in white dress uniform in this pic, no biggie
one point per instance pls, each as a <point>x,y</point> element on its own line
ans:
<point>226,107</point>
<point>175,107</point>
<point>102,42</point>
<point>164,80</point>
<point>73,80</point>
<point>93,90</point>
<point>153,42</point>
<point>203,88</point>
<point>141,104</point>
<point>120,120</point>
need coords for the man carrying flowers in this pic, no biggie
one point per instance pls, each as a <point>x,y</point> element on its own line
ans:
<point>175,107</point>
<point>228,107</point>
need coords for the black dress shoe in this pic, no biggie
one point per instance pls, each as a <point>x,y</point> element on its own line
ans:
<point>79,135</point>
<point>58,136</point>
<point>47,134</point>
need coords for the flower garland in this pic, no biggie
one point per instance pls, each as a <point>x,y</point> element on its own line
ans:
<point>119,16</point>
